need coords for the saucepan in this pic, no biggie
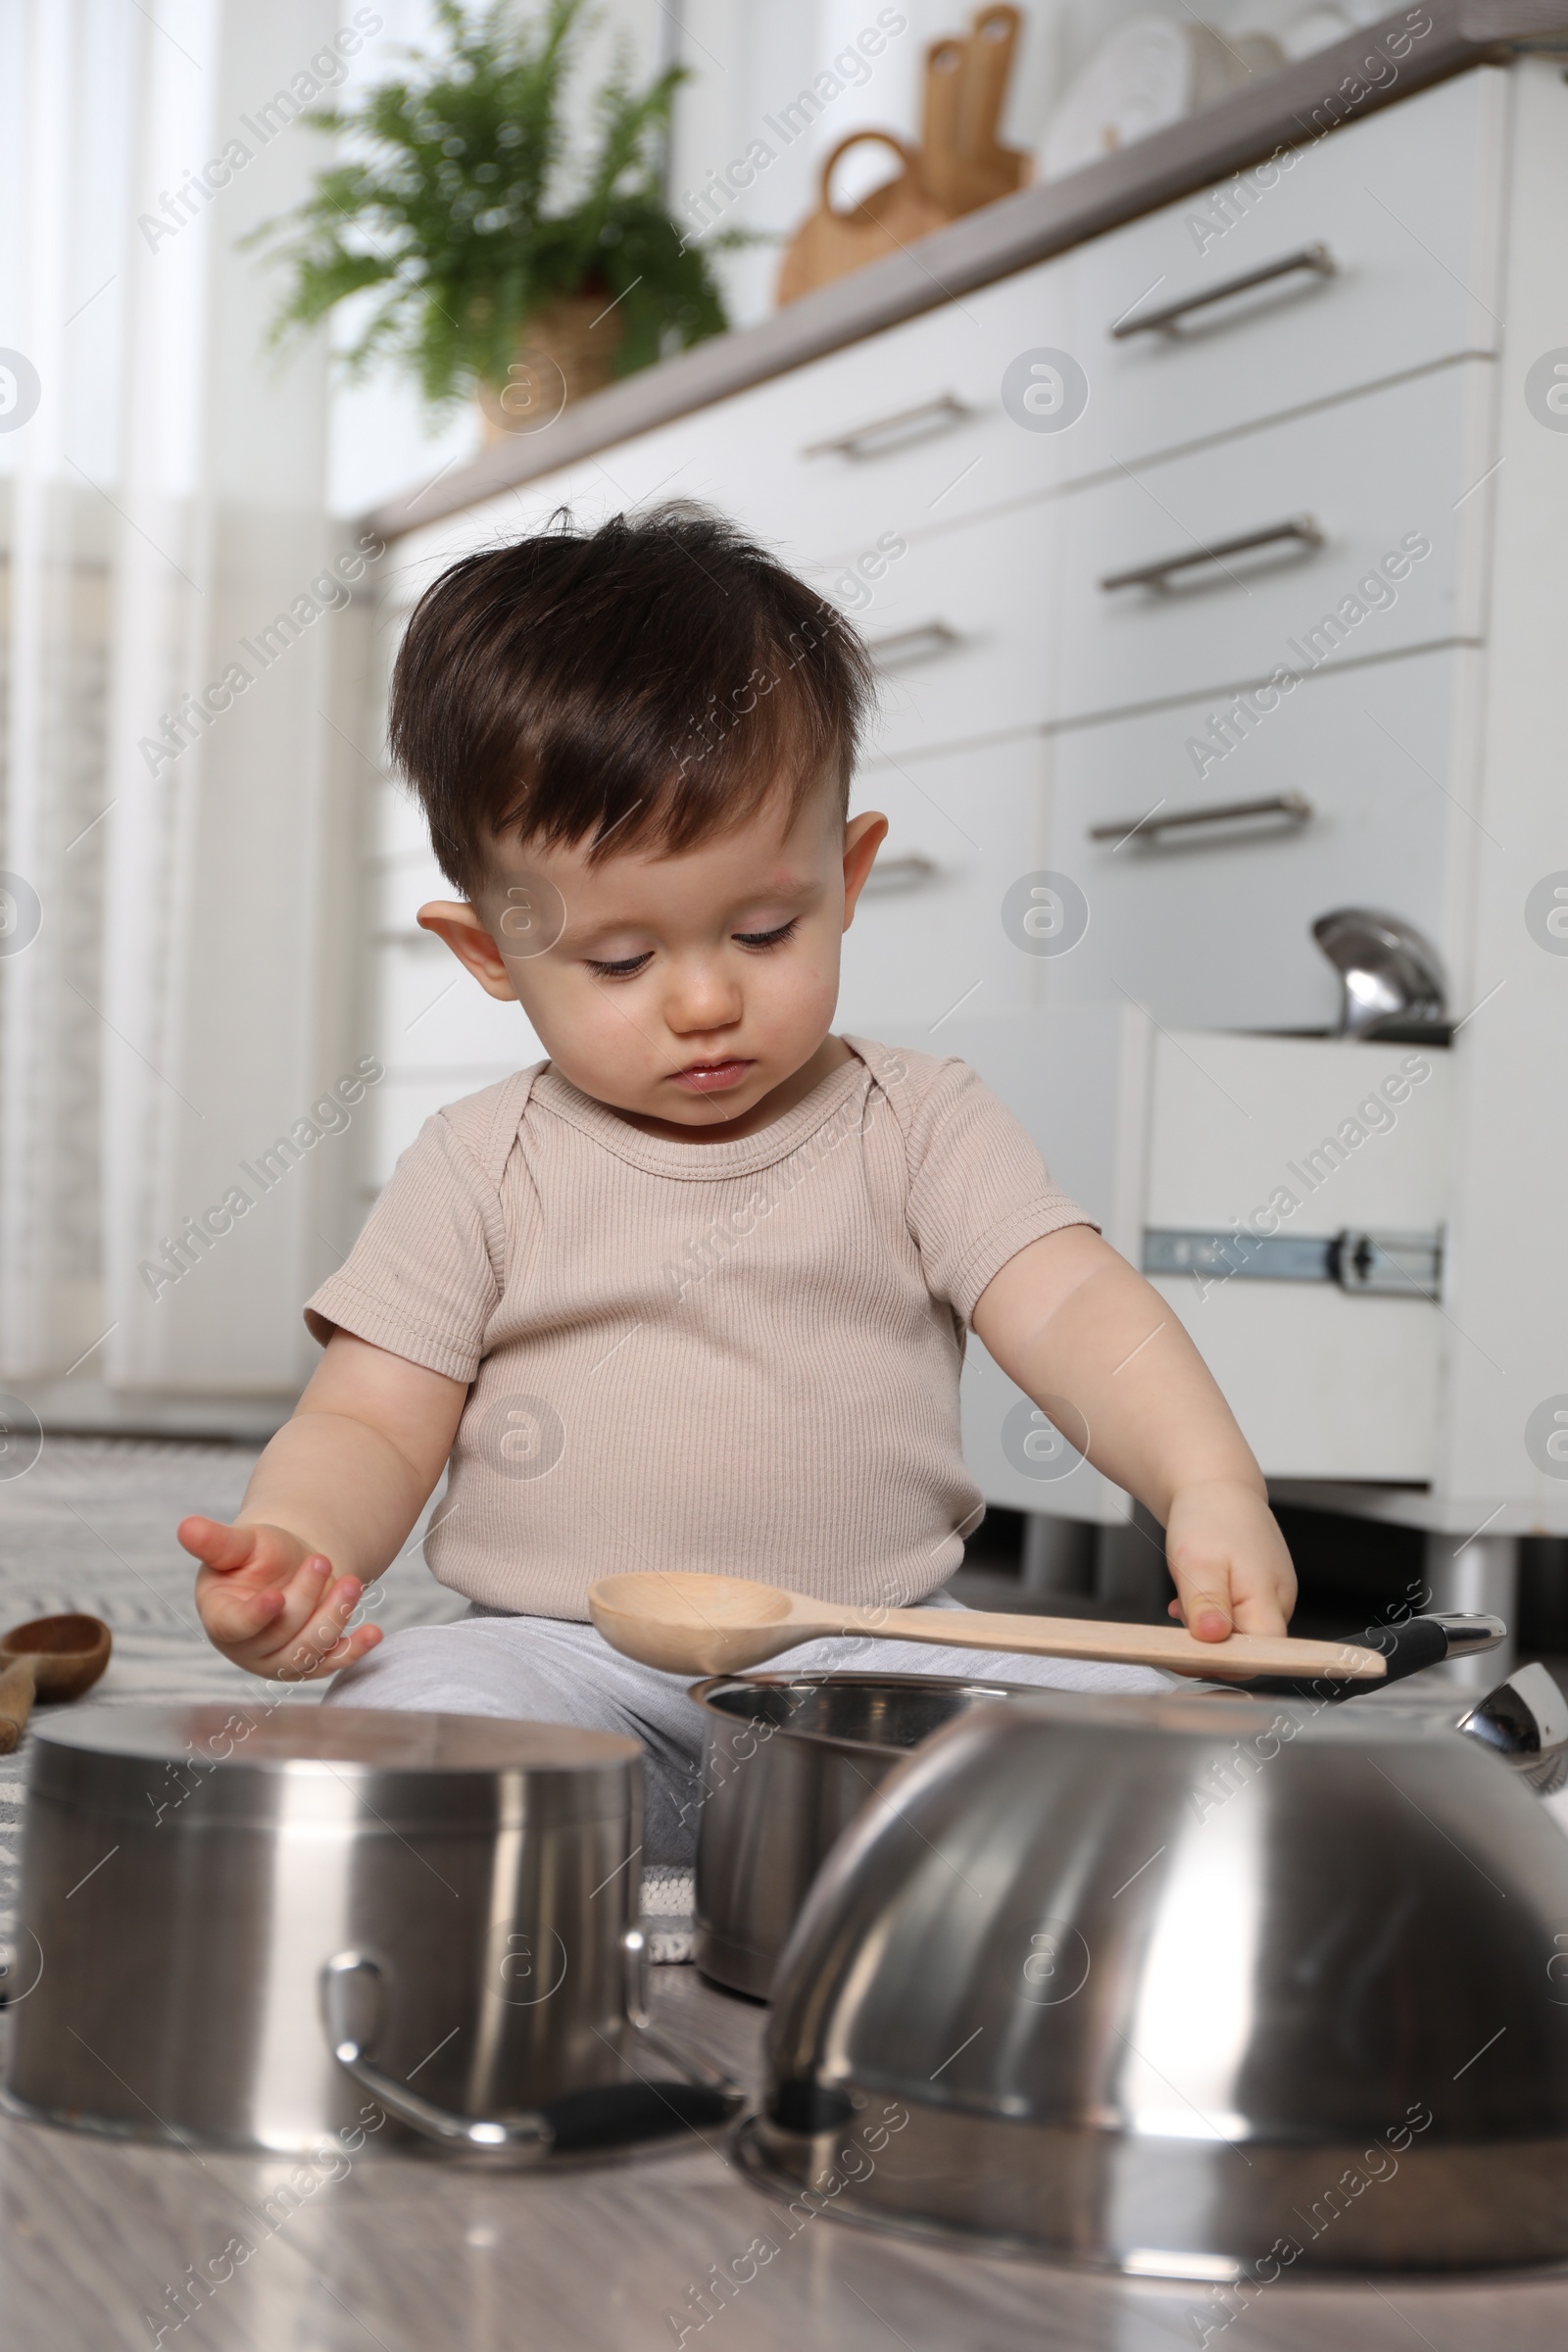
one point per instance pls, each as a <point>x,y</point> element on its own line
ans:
<point>293,1927</point>
<point>788,1763</point>
<point>790,1760</point>
<point>1202,1988</point>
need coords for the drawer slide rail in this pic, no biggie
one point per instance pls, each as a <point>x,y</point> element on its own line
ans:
<point>1376,1264</point>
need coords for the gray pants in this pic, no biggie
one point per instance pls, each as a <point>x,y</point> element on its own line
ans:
<point>555,1670</point>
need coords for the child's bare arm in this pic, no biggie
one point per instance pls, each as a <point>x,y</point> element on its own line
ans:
<point>1068,1319</point>
<point>329,1506</point>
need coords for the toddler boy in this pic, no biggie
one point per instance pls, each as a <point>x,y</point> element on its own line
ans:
<point>692,1293</point>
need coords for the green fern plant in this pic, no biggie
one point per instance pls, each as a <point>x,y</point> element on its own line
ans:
<point>465,205</point>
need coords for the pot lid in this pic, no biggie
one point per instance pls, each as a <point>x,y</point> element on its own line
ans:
<point>361,1764</point>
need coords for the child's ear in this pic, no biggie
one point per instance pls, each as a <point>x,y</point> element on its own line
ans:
<point>864,836</point>
<point>471,943</point>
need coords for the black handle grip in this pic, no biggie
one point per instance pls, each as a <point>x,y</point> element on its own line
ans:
<point>626,2111</point>
<point>1419,1642</point>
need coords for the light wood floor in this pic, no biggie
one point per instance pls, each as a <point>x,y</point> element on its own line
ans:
<point>417,2257</point>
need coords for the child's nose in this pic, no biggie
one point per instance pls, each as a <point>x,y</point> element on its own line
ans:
<point>701,996</point>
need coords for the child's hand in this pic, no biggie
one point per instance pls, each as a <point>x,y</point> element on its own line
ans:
<point>1231,1568</point>
<point>271,1604</point>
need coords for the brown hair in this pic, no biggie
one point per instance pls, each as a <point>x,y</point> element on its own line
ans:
<point>652,681</point>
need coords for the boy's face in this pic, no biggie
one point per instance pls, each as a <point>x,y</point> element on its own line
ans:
<point>683,990</point>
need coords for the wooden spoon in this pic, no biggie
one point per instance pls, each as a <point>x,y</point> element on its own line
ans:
<point>49,1657</point>
<point>687,1623</point>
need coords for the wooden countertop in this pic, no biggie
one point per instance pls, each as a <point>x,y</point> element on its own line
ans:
<point>422,2257</point>
<point>1287,109</point>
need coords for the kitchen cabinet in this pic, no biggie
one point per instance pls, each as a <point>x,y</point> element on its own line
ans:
<point>908,426</point>
<point>1344,535</point>
<point>1363,783</point>
<point>1342,1137</point>
<point>904,428</point>
<point>1401,224</point>
<point>925,940</point>
<point>1384,387</point>
<point>1191,1135</point>
<point>963,626</point>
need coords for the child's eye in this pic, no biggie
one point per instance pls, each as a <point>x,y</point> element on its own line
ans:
<point>768,939</point>
<point>622,970</point>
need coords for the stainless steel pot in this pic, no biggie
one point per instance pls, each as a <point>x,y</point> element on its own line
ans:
<point>1205,1988</point>
<point>788,1763</point>
<point>278,1926</point>
<point>790,1760</point>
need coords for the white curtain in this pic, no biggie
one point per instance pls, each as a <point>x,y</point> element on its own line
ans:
<point>181,845</point>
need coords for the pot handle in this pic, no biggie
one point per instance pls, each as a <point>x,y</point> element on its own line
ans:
<point>1407,1648</point>
<point>608,2115</point>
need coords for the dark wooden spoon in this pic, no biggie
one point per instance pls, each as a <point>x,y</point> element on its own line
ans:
<point>49,1657</point>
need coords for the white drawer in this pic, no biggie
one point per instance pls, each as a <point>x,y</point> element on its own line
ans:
<point>1408,205</point>
<point>903,431</point>
<point>1369,476</point>
<point>1210,925</point>
<point>1232,1119</point>
<point>961,623</point>
<point>1324,1383</point>
<point>1195,1130</point>
<point>961,825</point>
<point>818,461</point>
<point>594,489</point>
<point>1324,1386</point>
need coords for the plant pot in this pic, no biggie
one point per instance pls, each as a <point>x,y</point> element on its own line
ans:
<point>567,350</point>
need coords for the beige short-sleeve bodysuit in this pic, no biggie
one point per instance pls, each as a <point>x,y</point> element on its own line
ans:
<point>741,1357</point>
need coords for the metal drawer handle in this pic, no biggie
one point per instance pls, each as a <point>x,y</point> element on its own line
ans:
<point>1314,257</point>
<point>608,2115</point>
<point>892,874</point>
<point>1293,806</point>
<point>907,647</point>
<point>883,433</point>
<point>1300,530</point>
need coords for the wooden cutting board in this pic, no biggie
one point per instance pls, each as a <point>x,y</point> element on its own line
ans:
<point>958,165</point>
<point>964,165</point>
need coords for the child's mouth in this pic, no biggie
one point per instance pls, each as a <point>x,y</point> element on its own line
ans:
<point>712,1077</point>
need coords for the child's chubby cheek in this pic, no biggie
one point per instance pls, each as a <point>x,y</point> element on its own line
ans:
<point>791,1015</point>
<point>616,1048</point>
<point>583,1026</point>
